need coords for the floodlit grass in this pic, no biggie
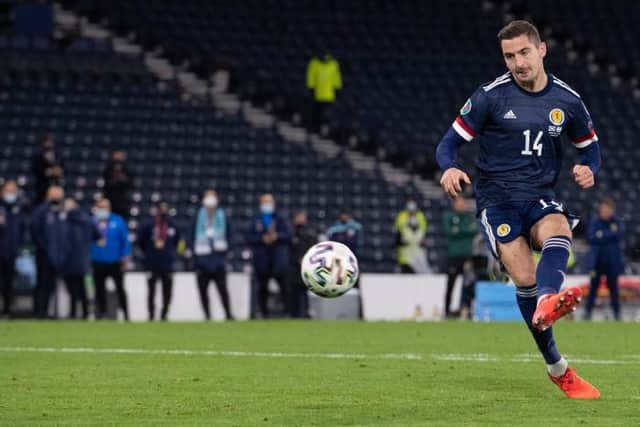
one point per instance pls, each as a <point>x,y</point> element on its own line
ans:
<point>350,373</point>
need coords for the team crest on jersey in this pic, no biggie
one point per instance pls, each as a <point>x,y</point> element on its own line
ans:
<point>466,108</point>
<point>503,230</point>
<point>556,116</point>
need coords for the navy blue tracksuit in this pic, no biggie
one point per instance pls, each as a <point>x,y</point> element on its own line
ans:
<point>48,232</point>
<point>160,254</point>
<point>271,260</point>
<point>12,227</point>
<point>605,258</point>
<point>81,232</point>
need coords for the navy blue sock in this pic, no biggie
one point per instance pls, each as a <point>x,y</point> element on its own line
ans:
<point>553,264</point>
<point>527,301</point>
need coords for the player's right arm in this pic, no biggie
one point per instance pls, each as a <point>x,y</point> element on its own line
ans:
<point>464,129</point>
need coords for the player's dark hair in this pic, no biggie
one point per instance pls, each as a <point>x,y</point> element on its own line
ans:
<point>609,202</point>
<point>517,28</point>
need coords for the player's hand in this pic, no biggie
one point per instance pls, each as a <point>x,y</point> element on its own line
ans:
<point>450,181</point>
<point>583,175</point>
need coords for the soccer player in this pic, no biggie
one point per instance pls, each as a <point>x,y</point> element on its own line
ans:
<point>518,120</point>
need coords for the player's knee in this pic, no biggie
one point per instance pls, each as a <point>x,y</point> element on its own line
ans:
<point>523,278</point>
<point>551,226</point>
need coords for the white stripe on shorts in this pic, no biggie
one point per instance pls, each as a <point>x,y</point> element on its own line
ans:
<point>489,231</point>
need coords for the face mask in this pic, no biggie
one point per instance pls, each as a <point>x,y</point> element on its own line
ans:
<point>102,213</point>
<point>412,207</point>
<point>267,208</point>
<point>210,201</point>
<point>10,198</point>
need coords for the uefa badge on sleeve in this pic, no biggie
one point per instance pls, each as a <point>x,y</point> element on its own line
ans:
<point>466,108</point>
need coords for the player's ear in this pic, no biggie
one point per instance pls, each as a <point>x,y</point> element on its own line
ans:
<point>542,48</point>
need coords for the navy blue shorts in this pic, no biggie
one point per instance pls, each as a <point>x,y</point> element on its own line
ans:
<point>505,222</point>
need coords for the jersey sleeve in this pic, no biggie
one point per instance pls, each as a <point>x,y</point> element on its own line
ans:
<point>580,129</point>
<point>472,116</point>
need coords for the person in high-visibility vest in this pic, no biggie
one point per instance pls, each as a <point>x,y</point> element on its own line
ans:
<point>323,78</point>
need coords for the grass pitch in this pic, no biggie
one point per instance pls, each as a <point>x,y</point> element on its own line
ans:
<point>283,373</point>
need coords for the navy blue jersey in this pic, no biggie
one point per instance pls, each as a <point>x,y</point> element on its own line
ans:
<point>519,133</point>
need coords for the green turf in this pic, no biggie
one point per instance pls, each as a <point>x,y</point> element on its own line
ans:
<point>155,389</point>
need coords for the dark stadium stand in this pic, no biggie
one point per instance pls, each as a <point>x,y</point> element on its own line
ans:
<point>93,102</point>
<point>581,23</point>
<point>404,79</point>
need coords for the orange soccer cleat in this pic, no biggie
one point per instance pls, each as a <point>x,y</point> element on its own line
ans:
<point>554,306</point>
<point>575,387</point>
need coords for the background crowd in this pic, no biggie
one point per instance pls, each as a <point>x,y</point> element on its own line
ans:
<point>84,248</point>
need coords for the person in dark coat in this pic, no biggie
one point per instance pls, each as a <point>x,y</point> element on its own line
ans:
<point>49,234</point>
<point>12,228</point>
<point>118,183</point>
<point>210,244</point>
<point>270,240</point>
<point>302,239</point>
<point>47,169</point>
<point>81,232</point>
<point>159,239</point>
<point>605,235</point>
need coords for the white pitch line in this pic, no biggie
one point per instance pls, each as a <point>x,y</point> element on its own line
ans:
<point>277,355</point>
<point>454,357</point>
<point>628,359</point>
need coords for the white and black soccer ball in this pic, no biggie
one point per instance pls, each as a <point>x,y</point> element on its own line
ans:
<point>329,269</point>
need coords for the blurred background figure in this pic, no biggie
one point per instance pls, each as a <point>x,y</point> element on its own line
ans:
<point>605,235</point>
<point>211,237</point>
<point>109,256</point>
<point>460,228</point>
<point>347,231</point>
<point>270,238</point>
<point>12,229</point>
<point>81,232</point>
<point>410,228</point>
<point>323,79</point>
<point>160,240</point>
<point>47,169</point>
<point>118,183</point>
<point>49,235</point>
<point>304,236</point>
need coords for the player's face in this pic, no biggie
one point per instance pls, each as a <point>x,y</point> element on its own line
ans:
<point>523,58</point>
<point>605,211</point>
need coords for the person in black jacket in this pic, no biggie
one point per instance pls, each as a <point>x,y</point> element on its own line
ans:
<point>49,234</point>
<point>118,183</point>
<point>302,239</point>
<point>81,232</point>
<point>159,240</point>
<point>47,169</point>
<point>12,226</point>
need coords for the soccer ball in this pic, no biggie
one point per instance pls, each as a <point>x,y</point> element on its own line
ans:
<point>329,269</point>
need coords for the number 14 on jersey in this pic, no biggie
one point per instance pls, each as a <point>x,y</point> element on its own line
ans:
<point>537,145</point>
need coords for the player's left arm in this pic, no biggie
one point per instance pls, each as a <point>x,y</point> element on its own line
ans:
<point>583,136</point>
